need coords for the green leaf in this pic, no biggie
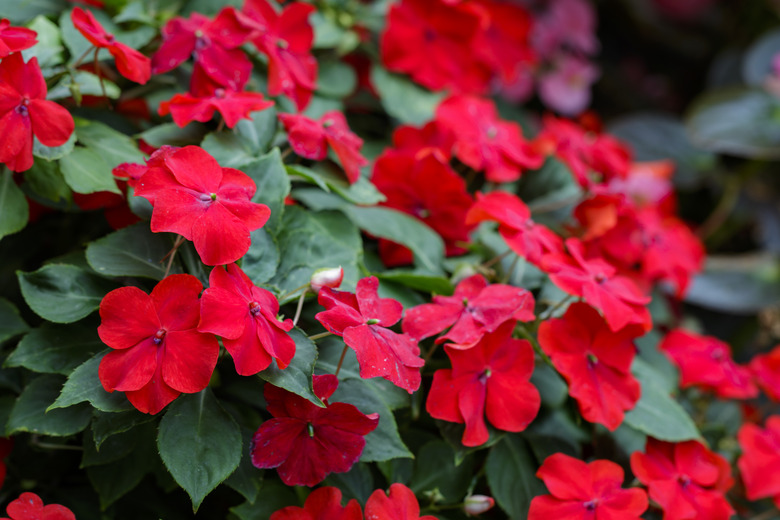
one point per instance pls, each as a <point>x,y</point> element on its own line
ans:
<point>311,240</point>
<point>86,83</point>
<point>86,171</point>
<point>420,281</point>
<point>49,48</point>
<point>11,323</point>
<point>172,134</point>
<point>336,79</point>
<point>52,153</point>
<point>757,62</point>
<point>740,122</point>
<point>131,251</point>
<point>736,284</point>
<point>554,431</point>
<point>297,377</point>
<point>30,411</point>
<point>273,185</point>
<point>261,260</point>
<point>552,388</point>
<point>511,470</point>
<point>114,147</point>
<point>273,496</point>
<point>21,11</point>
<point>246,479</point>
<point>362,192</point>
<point>45,180</point>
<point>84,385</point>
<point>435,469</point>
<point>107,424</point>
<point>657,414</point>
<point>403,99</point>
<point>247,141</point>
<point>56,349</point>
<point>357,483</point>
<point>199,443</point>
<point>14,211</point>
<point>62,293</point>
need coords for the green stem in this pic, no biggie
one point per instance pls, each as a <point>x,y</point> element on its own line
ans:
<point>320,336</point>
<point>521,330</point>
<point>300,306</point>
<point>341,361</point>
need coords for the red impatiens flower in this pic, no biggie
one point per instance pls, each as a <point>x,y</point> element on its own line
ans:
<point>475,309</point>
<point>213,43</point>
<point>195,197</point>
<point>766,371</point>
<point>706,362</point>
<point>29,506</point>
<point>15,39</point>
<point>286,38</point>
<point>581,491</point>
<point>159,352</point>
<point>433,43</point>
<point>485,142</point>
<point>306,442</point>
<point>129,62</point>
<point>206,96</point>
<point>427,188</point>
<point>401,504</point>
<point>322,504</point>
<point>310,138</point>
<point>245,316</point>
<point>617,297</point>
<point>432,138</point>
<point>24,112</point>
<point>523,236</point>
<point>491,378</point>
<point>685,479</point>
<point>362,319</point>
<point>595,361</point>
<point>760,459</point>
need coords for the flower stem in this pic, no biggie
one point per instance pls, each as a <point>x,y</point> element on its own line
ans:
<point>171,254</point>
<point>82,57</point>
<point>300,306</point>
<point>535,344</point>
<point>341,360</point>
<point>320,336</point>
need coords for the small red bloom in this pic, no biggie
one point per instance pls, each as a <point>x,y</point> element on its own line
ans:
<point>286,38</point>
<point>158,351</point>
<point>433,138</point>
<point>475,309</point>
<point>195,197</point>
<point>245,316</point>
<point>760,459</point>
<point>362,319</point>
<point>306,442</point>
<point>322,504</point>
<point>766,371</point>
<point>580,491</point>
<point>491,378</point>
<point>503,45</point>
<point>15,39</point>
<point>485,142</point>
<point>595,361</point>
<point>523,236</point>
<point>310,138</point>
<point>326,277</point>
<point>617,297</point>
<point>401,504</point>
<point>686,479</point>
<point>706,362</point>
<point>24,112</point>
<point>29,506</point>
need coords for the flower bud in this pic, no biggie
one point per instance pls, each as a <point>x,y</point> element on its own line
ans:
<point>327,277</point>
<point>476,504</point>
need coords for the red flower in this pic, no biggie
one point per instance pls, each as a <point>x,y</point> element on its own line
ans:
<point>617,297</point>
<point>581,491</point>
<point>286,38</point>
<point>214,44</point>
<point>15,39</point>
<point>766,371</point>
<point>706,362</point>
<point>310,138</point>
<point>158,351</point>
<point>29,506</point>
<point>362,319</point>
<point>433,138</point>
<point>491,378</point>
<point>306,442</point>
<point>322,504</point>
<point>400,505</point>
<point>24,112</point>
<point>432,42</point>
<point>206,97</point>
<point>523,236</point>
<point>195,197</point>
<point>485,142</point>
<point>760,459</point>
<point>686,479</point>
<point>129,62</point>
<point>245,316</point>
<point>595,361</point>
<point>427,188</point>
<point>475,309</point>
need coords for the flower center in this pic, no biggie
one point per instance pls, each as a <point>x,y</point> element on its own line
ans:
<point>429,35</point>
<point>592,360</point>
<point>328,123</point>
<point>590,505</point>
<point>109,38</point>
<point>491,132</point>
<point>254,308</point>
<point>483,377</point>
<point>282,44</point>
<point>684,480</point>
<point>22,108</point>
<point>158,336</point>
<point>220,93</point>
<point>600,277</point>
<point>310,426</point>
<point>372,321</point>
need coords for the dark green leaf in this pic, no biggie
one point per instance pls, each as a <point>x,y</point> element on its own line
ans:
<point>11,323</point>
<point>114,147</point>
<point>403,99</point>
<point>21,11</point>
<point>262,259</point>
<point>52,153</point>
<point>131,251</point>
<point>511,473</point>
<point>296,378</point>
<point>362,192</point>
<point>46,180</point>
<point>14,211</point>
<point>420,281</point>
<point>435,469</point>
<point>199,443</point>
<point>107,424</point>
<point>757,63</point>
<point>273,185</point>
<point>738,284</point>
<point>84,385</point>
<point>554,431</point>
<point>62,293</point>
<point>273,496</point>
<point>247,141</point>
<point>551,386</point>
<point>173,135</point>
<point>336,79</point>
<point>30,411</point>
<point>357,483</point>
<point>56,349</point>
<point>246,479</point>
<point>86,171</point>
